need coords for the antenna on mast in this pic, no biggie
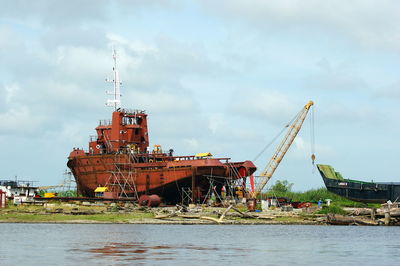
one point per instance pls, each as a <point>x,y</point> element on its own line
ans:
<point>116,101</point>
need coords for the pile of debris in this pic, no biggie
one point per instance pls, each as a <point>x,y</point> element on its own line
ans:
<point>387,214</point>
<point>230,215</point>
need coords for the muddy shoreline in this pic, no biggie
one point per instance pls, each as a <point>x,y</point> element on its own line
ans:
<point>62,213</point>
<point>130,214</point>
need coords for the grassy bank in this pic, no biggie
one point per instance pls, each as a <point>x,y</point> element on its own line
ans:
<point>314,195</point>
<point>58,212</point>
<point>71,213</point>
<point>95,218</point>
<point>79,212</point>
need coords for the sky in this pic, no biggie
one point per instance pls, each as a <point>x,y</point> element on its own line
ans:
<point>214,76</point>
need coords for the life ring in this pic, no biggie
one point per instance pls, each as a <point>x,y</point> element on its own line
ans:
<point>98,146</point>
<point>151,160</point>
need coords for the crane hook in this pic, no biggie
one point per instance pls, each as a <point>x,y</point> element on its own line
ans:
<point>313,158</point>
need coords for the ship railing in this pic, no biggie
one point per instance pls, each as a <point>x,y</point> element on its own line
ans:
<point>134,156</point>
<point>104,122</point>
<point>132,111</point>
<point>18,183</point>
<point>129,120</point>
<point>192,157</point>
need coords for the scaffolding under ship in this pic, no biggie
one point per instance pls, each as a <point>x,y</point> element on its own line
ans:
<point>119,160</point>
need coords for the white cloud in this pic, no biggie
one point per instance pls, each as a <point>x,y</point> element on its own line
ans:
<point>11,90</point>
<point>339,113</point>
<point>216,122</point>
<point>303,148</point>
<point>339,76</point>
<point>192,143</point>
<point>391,91</point>
<point>54,13</point>
<point>163,101</point>
<point>81,63</point>
<point>274,106</point>
<point>366,22</point>
<point>135,45</point>
<point>9,41</point>
<point>19,120</point>
<point>76,132</point>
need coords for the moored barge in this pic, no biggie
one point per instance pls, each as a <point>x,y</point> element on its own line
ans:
<point>368,192</point>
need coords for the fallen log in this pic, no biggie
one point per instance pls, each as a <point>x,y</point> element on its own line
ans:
<point>244,215</point>
<point>165,216</point>
<point>394,212</point>
<point>187,216</point>
<point>265,217</point>
<point>335,219</point>
<point>210,219</point>
<point>358,211</point>
<point>224,213</point>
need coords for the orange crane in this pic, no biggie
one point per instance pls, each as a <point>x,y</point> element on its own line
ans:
<point>281,150</point>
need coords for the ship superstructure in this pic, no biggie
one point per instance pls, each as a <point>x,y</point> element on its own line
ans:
<point>119,159</point>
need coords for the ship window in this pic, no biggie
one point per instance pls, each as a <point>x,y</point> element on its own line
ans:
<point>136,131</point>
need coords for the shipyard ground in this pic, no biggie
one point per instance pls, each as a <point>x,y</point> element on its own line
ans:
<point>127,213</point>
<point>130,214</point>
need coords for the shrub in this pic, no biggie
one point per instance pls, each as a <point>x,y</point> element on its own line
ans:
<point>332,209</point>
<point>282,186</point>
<point>283,189</point>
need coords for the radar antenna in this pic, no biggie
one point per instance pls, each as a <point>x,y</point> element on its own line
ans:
<point>116,101</point>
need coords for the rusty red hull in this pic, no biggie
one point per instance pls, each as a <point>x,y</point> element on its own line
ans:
<point>165,178</point>
<point>120,159</point>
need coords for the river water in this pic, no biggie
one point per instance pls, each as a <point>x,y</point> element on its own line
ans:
<point>131,244</point>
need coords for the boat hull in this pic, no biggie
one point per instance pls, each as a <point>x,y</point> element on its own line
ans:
<point>367,192</point>
<point>164,178</point>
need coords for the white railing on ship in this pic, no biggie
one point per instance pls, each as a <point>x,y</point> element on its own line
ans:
<point>132,111</point>
<point>105,122</point>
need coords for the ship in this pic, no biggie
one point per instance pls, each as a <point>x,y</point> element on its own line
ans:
<point>18,190</point>
<point>357,190</point>
<point>120,162</point>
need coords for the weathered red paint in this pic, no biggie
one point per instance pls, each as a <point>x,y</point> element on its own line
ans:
<point>120,154</point>
<point>149,200</point>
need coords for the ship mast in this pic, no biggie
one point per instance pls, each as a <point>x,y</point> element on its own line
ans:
<point>116,101</point>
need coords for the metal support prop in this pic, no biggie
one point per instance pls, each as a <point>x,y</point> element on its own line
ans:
<point>193,186</point>
<point>186,196</point>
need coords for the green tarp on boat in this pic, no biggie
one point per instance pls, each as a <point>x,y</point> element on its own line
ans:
<point>329,172</point>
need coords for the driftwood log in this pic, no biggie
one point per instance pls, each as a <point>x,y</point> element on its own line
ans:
<point>244,215</point>
<point>165,216</point>
<point>394,212</point>
<point>224,213</point>
<point>358,211</point>
<point>336,219</point>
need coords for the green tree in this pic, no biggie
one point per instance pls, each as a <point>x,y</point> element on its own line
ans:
<point>282,186</point>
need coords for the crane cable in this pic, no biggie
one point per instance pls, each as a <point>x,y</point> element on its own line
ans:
<point>312,138</point>
<point>276,137</point>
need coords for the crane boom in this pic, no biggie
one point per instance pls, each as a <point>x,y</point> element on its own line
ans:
<point>283,147</point>
<point>50,187</point>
